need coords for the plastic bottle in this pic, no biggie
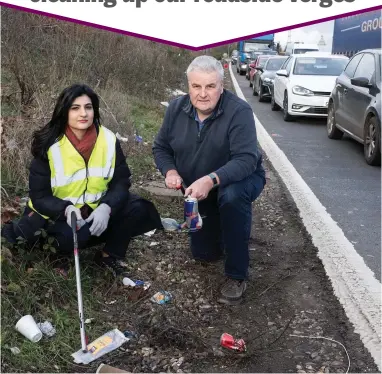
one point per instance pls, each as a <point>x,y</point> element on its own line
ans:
<point>169,224</point>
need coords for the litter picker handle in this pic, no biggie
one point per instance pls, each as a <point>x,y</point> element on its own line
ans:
<point>74,228</point>
<point>78,281</point>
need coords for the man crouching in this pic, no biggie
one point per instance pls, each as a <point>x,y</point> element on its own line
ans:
<point>208,141</point>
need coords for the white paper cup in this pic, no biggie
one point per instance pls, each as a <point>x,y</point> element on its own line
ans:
<point>28,327</point>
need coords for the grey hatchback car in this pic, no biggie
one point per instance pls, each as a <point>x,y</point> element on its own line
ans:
<point>354,106</point>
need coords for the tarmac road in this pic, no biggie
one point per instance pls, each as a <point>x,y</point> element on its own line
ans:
<point>335,171</point>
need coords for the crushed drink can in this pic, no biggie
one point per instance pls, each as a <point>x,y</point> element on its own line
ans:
<point>229,342</point>
<point>192,218</point>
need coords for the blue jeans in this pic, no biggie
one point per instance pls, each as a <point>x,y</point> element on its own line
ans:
<point>227,225</point>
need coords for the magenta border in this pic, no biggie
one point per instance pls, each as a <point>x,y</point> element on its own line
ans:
<point>185,46</point>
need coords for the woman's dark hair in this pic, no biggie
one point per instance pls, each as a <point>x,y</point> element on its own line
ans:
<point>55,128</point>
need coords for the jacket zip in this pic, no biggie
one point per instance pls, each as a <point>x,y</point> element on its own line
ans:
<point>87,175</point>
<point>200,131</point>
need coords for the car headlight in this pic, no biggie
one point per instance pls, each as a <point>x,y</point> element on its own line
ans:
<point>298,90</point>
<point>268,80</point>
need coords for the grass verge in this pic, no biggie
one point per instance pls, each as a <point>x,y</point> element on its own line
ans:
<point>30,284</point>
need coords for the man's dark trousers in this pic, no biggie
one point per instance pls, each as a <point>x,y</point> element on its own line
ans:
<point>227,225</point>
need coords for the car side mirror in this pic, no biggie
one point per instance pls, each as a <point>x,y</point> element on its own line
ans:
<point>361,82</point>
<point>260,68</point>
<point>282,73</point>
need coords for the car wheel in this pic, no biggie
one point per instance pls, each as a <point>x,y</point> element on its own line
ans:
<point>274,106</point>
<point>372,141</point>
<point>287,117</point>
<point>333,131</point>
<point>261,97</point>
<point>242,72</point>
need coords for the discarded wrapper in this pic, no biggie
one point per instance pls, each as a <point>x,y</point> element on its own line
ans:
<point>138,138</point>
<point>110,302</point>
<point>47,328</point>
<point>150,233</point>
<point>104,344</point>
<point>229,342</point>
<point>161,297</point>
<point>15,350</point>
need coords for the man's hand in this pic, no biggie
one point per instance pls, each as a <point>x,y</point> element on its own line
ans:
<point>200,188</point>
<point>173,180</point>
<point>100,217</point>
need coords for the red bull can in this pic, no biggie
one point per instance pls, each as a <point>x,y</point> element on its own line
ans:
<point>191,214</point>
<point>229,342</point>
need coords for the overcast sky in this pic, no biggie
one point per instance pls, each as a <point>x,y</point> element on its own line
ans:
<point>310,34</point>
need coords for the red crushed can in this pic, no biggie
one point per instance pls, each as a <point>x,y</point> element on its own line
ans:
<point>229,342</point>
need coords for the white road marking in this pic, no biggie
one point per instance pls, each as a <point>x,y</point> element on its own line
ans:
<point>353,282</point>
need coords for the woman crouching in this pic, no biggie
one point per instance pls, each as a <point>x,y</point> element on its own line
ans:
<point>78,166</point>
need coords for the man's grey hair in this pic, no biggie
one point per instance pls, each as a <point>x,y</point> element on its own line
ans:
<point>206,64</point>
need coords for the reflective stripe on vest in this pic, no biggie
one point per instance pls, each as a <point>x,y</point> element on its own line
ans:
<point>86,197</point>
<point>72,180</point>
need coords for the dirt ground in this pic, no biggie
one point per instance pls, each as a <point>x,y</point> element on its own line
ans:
<point>288,294</point>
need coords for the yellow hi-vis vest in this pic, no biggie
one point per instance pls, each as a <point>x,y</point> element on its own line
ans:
<point>73,180</point>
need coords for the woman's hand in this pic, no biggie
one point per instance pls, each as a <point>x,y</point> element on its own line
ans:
<point>68,214</point>
<point>100,217</point>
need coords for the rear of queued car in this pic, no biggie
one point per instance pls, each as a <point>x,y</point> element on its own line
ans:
<point>318,75</point>
<point>257,71</point>
<point>251,61</point>
<point>260,61</point>
<point>234,57</point>
<point>242,62</point>
<point>358,114</point>
<point>267,78</point>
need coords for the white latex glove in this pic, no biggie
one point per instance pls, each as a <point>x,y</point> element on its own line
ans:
<point>68,214</point>
<point>100,217</point>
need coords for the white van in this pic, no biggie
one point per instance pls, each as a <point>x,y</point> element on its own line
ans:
<point>300,48</point>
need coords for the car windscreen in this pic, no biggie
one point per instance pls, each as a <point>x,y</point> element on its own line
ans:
<point>254,55</point>
<point>263,60</point>
<point>302,51</point>
<point>274,64</point>
<point>319,66</point>
<point>270,53</point>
